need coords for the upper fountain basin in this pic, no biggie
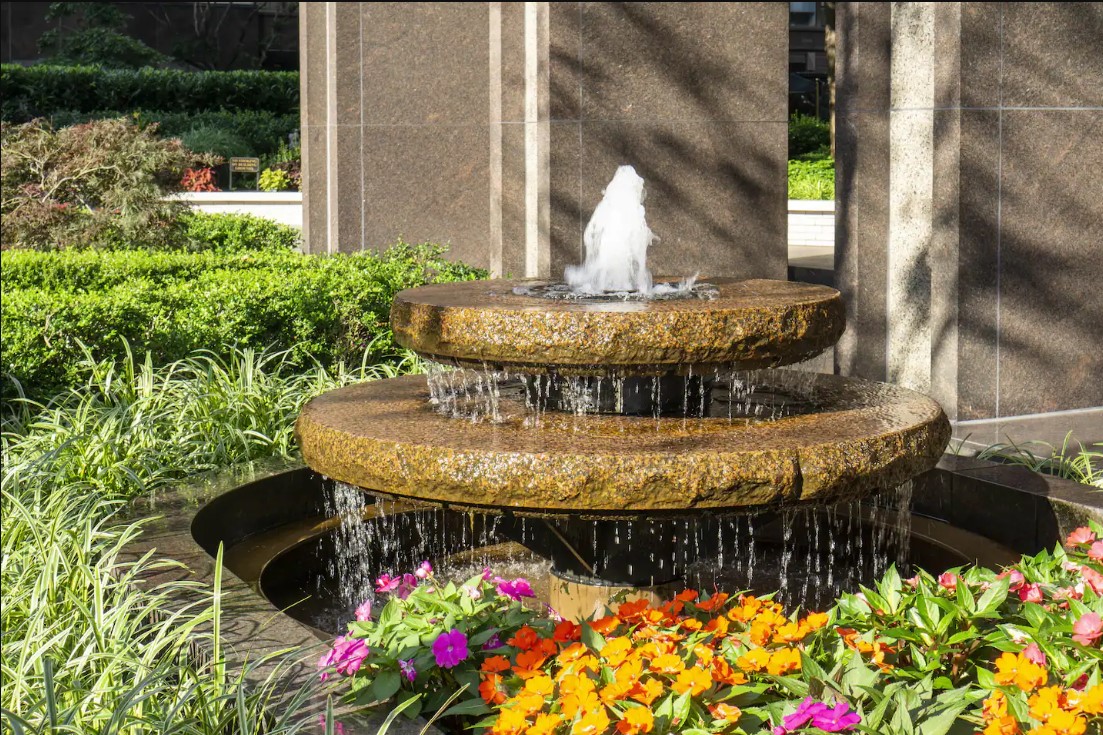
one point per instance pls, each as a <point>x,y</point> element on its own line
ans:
<point>746,324</point>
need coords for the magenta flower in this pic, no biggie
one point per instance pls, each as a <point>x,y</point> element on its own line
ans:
<point>338,728</point>
<point>387,583</point>
<point>1087,629</point>
<point>424,570</point>
<point>836,719</point>
<point>405,586</point>
<point>450,648</point>
<point>1017,580</point>
<point>346,656</point>
<point>516,589</point>
<point>492,643</point>
<point>406,668</point>
<point>363,613</point>
<point>486,573</point>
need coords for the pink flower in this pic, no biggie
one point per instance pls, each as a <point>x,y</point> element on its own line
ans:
<point>406,668</point>
<point>1096,551</point>
<point>1082,535</point>
<point>406,586</point>
<point>450,648</point>
<point>363,613</point>
<point>1088,629</point>
<point>1034,654</point>
<point>516,589</point>
<point>486,573</point>
<point>948,580</point>
<point>346,656</point>
<point>1017,580</point>
<point>836,719</point>
<point>1093,578</point>
<point>1069,593</point>
<point>1030,593</point>
<point>387,583</point>
<point>424,570</point>
<point>912,582</point>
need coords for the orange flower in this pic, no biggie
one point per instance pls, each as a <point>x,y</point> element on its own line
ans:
<point>509,722</point>
<point>528,703</point>
<point>1005,725</point>
<point>995,706</point>
<point>686,595</point>
<point>718,627</point>
<point>692,624</point>
<point>542,685</point>
<point>637,721</point>
<point>725,674</point>
<point>647,692</point>
<point>632,609</point>
<point>615,692</point>
<point>525,638</point>
<point>1045,702</point>
<point>1020,671</point>
<point>725,712</point>
<point>754,660</point>
<point>1063,723</point>
<point>713,603</point>
<point>592,723</point>
<point>529,663</point>
<point>581,701</point>
<point>668,663</point>
<point>703,653</point>
<point>1091,701</point>
<point>694,680</point>
<point>495,664</point>
<point>748,607</point>
<point>615,650</point>
<point>606,625</point>
<point>814,621</point>
<point>571,653</point>
<point>566,631</point>
<point>545,724</point>
<point>629,671</point>
<point>575,683</point>
<point>489,689</point>
<point>788,633</point>
<point>783,661</point>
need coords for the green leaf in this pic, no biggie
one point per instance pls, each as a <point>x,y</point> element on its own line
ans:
<point>468,707</point>
<point>384,686</point>
<point>591,638</point>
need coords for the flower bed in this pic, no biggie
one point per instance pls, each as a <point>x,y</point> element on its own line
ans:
<point>971,651</point>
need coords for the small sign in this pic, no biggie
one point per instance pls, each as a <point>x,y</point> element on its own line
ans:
<point>244,165</point>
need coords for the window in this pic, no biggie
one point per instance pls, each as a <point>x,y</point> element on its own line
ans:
<point>802,14</point>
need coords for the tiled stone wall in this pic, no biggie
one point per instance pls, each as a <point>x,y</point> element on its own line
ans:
<point>971,255</point>
<point>495,126</point>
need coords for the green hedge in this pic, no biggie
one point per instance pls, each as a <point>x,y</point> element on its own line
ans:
<point>27,92</point>
<point>812,179</point>
<point>808,134</point>
<point>261,130</point>
<point>333,307</point>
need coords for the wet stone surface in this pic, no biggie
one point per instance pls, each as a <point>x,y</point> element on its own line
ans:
<point>387,437</point>
<point>748,323</point>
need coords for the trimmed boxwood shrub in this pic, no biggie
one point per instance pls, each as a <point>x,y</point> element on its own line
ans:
<point>332,308</point>
<point>812,179</point>
<point>27,92</point>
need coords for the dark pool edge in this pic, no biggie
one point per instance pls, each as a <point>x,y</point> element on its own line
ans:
<point>1021,509</point>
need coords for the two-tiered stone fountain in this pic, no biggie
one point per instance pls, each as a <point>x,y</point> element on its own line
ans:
<point>611,411</point>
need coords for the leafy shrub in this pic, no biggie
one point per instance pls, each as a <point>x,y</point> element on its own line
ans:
<point>88,184</point>
<point>333,308</point>
<point>808,134</point>
<point>812,179</point>
<point>216,141</point>
<point>99,38</point>
<point>199,179</point>
<point>235,233</point>
<point>262,131</point>
<point>274,179</point>
<point>28,92</point>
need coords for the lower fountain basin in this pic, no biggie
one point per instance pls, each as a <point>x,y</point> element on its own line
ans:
<point>862,437</point>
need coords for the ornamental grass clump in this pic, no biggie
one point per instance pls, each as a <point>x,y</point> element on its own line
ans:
<point>1015,652</point>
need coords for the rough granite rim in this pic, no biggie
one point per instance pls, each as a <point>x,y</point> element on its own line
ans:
<point>750,324</point>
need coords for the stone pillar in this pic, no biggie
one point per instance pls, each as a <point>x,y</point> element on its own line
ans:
<point>970,208</point>
<point>494,127</point>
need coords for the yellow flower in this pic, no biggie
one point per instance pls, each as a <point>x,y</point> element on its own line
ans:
<point>1020,671</point>
<point>1045,702</point>
<point>509,722</point>
<point>592,723</point>
<point>542,685</point>
<point>668,663</point>
<point>754,660</point>
<point>694,680</point>
<point>783,661</point>
<point>545,724</point>
<point>615,651</point>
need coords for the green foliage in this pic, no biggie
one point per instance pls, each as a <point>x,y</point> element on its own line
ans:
<point>40,91</point>
<point>812,179</point>
<point>237,233</point>
<point>333,308</point>
<point>263,132</point>
<point>274,179</point>
<point>88,185</point>
<point>98,37</point>
<point>1079,463</point>
<point>808,134</point>
<point>216,141</point>
<point>84,647</point>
